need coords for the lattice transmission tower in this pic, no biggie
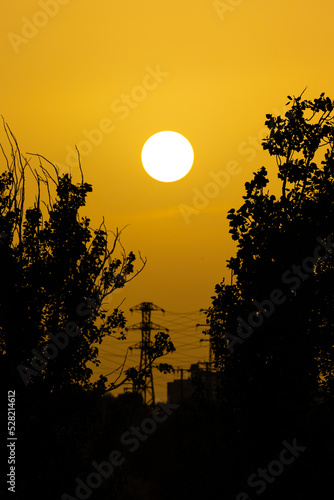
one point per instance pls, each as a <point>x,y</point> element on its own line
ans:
<point>146,325</point>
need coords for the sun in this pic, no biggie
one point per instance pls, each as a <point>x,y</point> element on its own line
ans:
<point>167,156</point>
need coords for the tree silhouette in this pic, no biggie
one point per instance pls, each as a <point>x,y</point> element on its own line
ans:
<point>56,272</point>
<point>272,330</point>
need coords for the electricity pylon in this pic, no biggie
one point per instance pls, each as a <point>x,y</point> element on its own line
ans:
<point>210,347</point>
<point>146,325</point>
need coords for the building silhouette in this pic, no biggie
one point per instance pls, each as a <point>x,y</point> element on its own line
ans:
<point>201,380</point>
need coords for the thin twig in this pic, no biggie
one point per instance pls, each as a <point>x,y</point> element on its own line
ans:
<point>79,162</point>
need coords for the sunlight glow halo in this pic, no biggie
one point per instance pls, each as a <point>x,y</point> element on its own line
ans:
<point>167,156</point>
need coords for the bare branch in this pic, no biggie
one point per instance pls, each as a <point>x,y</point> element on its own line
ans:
<point>121,367</point>
<point>44,169</point>
<point>79,162</point>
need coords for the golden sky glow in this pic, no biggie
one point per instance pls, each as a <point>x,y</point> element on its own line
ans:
<point>106,75</point>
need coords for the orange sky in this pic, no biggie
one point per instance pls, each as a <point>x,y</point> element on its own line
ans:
<point>208,70</point>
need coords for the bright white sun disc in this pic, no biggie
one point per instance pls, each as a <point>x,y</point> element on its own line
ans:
<point>167,156</point>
